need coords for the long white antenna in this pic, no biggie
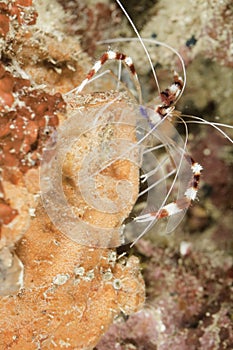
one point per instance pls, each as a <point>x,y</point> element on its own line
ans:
<point>198,120</point>
<point>142,43</point>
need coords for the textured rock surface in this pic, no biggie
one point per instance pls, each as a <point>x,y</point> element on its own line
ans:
<point>71,293</point>
<point>68,287</point>
<point>54,292</point>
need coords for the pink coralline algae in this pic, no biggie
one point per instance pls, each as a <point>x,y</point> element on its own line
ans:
<point>189,304</point>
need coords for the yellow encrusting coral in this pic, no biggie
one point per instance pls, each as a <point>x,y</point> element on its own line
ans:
<point>54,292</point>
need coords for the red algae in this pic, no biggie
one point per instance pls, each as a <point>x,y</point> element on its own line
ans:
<point>26,121</point>
<point>19,10</point>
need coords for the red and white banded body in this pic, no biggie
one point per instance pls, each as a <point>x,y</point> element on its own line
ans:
<point>163,110</point>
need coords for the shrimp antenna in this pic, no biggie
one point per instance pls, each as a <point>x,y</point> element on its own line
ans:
<point>141,41</point>
<point>217,126</point>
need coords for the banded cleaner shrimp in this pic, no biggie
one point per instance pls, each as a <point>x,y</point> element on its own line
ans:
<point>154,131</point>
